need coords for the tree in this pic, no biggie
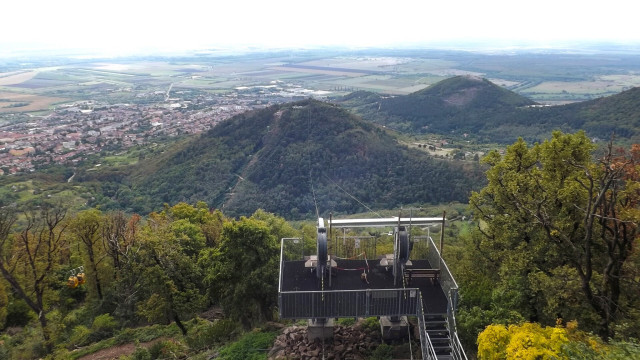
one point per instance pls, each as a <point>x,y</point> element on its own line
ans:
<point>118,237</point>
<point>85,226</point>
<point>29,258</point>
<point>245,266</point>
<point>171,282</point>
<point>553,206</point>
<point>210,222</point>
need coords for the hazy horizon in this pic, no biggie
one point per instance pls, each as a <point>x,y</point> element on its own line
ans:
<point>121,28</point>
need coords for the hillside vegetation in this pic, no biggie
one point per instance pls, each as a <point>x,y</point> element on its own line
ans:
<point>278,158</point>
<point>531,258</point>
<point>464,104</point>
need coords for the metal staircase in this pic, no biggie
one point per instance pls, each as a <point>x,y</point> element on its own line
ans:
<point>436,327</point>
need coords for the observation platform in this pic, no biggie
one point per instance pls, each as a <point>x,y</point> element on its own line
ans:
<point>346,294</point>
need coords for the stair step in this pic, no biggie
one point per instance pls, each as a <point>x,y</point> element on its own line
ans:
<point>436,325</point>
<point>441,347</point>
<point>440,339</point>
<point>439,334</point>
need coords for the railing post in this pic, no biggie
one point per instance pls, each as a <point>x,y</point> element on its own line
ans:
<point>367,302</point>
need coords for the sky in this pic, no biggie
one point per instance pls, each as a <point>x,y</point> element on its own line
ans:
<point>121,27</point>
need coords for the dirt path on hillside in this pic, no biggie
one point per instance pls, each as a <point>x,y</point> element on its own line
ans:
<point>115,352</point>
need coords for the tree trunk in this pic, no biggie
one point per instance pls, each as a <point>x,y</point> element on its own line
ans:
<point>94,267</point>
<point>45,332</point>
<point>179,323</point>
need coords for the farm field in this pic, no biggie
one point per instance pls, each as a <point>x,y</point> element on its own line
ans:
<point>599,86</point>
<point>546,78</point>
<point>16,102</point>
<point>16,77</point>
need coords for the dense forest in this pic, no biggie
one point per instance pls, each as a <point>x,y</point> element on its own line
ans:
<point>70,280</point>
<point>289,159</point>
<point>469,105</point>
<point>556,244</point>
<point>549,268</point>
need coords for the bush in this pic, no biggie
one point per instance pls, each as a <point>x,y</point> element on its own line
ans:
<point>252,346</point>
<point>382,352</point>
<point>371,324</point>
<point>141,354</point>
<point>103,327</point>
<point>168,349</point>
<point>346,321</point>
<point>18,313</point>
<point>79,336</point>
<point>4,351</point>
<point>27,344</point>
<point>206,334</point>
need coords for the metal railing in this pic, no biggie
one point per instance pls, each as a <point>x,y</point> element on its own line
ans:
<point>428,352</point>
<point>348,303</point>
<point>448,284</point>
<point>456,347</point>
<point>370,302</point>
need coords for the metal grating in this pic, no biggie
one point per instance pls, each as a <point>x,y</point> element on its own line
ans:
<point>348,303</point>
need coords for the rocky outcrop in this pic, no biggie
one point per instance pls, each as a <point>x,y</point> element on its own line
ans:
<point>348,343</point>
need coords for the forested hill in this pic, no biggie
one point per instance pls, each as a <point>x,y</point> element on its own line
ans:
<point>461,103</point>
<point>465,104</point>
<point>617,114</point>
<point>270,159</point>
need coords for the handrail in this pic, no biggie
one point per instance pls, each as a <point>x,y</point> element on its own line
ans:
<point>456,346</point>
<point>348,303</point>
<point>447,282</point>
<point>281,265</point>
<point>428,352</point>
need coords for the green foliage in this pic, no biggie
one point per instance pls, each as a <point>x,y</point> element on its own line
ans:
<point>18,313</point>
<point>546,219</point>
<point>4,350</point>
<point>26,344</point>
<point>531,341</point>
<point>103,327</point>
<point>623,350</point>
<point>80,336</point>
<point>248,259</point>
<point>205,334</point>
<point>168,349</point>
<point>382,352</point>
<point>251,346</point>
<point>346,321</point>
<point>371,325</point>
<point>263,159</point>
<point>171,283</point>
<point>141,354</point>
<point>146,333</point>
<point>465,105</point>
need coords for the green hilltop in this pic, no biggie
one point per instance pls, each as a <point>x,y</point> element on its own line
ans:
<point>277,158</point>
<point>464,104</point>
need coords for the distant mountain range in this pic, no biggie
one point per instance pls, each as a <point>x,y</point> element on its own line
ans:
<point>282,157</point>
<point>464,104</point>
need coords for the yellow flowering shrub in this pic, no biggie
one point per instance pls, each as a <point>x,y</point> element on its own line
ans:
<point>528,341</point>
